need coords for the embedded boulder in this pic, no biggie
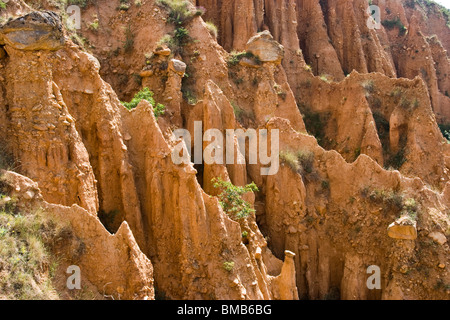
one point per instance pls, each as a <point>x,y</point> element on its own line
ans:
<point>177,66</point>
<point>438,237</point>
<point>34,31</point>
<point>403,229</point>
<point>266,48</point>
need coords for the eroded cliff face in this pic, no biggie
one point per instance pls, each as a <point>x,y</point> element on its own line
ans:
<point>364,174</point>
<point>334,38</point>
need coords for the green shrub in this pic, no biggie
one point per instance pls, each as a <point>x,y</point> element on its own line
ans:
<point>231,198</point>
<point>179,11</point>
<point>2,5</point>
<point>145,94</point>
<point>159,110</point>
<point>189,96</point>
<point>289,158</point>
<point>181,36</point>
<point>389,198</point>
<point>301,162</point>
<point>129,40</point>
<point>393,201</point>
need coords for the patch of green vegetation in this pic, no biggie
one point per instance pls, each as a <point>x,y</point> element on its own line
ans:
<point>177,41</point>
<point>27,265</point>
<point>395,23</point>
<point>145,94</point>
<point>180,12</point>
<point>231,199</point>
<point>393,201</point>
<point>301,162</point>
<point>235,57</point>
<point>167,40</point>
<point>181,36</point>
<point>2,5</point>
<point>289,158</point>
<point>410,208</point>
<point>388,197</point>
<point>212,28</point>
